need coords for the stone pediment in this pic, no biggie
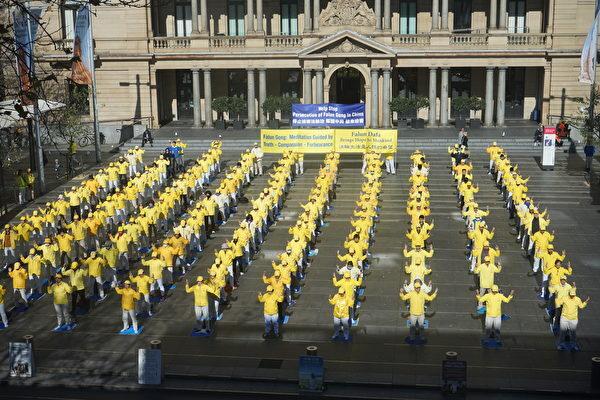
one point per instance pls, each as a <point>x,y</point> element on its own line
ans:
<point>347,13</point>
<point>347,44</point>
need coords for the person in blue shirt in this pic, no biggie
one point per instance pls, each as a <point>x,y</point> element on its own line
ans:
<point>589,151</point>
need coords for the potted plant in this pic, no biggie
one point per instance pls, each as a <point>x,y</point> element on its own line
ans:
<point>404,108</point>
<point>270,106</point>
<point>419,104</point>
<point>476,104</point>
<point>220,105</point>
<point>237,105</point>
<point>461,106</point>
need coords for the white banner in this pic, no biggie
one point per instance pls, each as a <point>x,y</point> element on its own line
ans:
<point>549,150</point>
<point>587,70</point>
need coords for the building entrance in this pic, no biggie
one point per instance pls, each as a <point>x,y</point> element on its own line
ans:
<point>347,86</point>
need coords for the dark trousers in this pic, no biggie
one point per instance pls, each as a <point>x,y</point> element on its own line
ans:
<point>78,299</point>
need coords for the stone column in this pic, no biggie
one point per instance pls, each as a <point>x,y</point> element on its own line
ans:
<point>196,97</point>
<point>374,98</point>
<point>489,97</point>
<point>307,27</point>
<point>195,17</point>
<point>500,102</point>
<point>502,14</point>
<point>259,16</point>
<point>307,84</point>
<point>205,25</point>
<point>493,14</point>
<point>444,15</point>
<point>208,99</point>
<point>387,15</point>
<point>432,95</point>
<point>444,98</point>
<point>386,97</point>
<point>250,16</point>
<point>435,11</point>
<point>378,14</point>
<point>319,86</point>
<point>316,14</point>
<point>251,99</point>
<point>262,95</point>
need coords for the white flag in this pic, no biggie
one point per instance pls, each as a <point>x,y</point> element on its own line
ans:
<point>588,54</point>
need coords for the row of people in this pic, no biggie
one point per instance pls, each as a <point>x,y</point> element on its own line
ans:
<point>480,254</point>
<point>87,271</point>
<point>365,215</point>
<point>213,295</point>
<point>531,226</point>
<point>290,268</point>
<point>415,292</point>
<point>34,227</point>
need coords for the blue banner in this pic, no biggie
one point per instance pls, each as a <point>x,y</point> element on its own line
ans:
<point>328,115</point>
<point>83,52</point>
<point>26,22</point>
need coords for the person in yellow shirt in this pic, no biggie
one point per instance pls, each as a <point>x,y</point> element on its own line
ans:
<point>493,310</point>
<point>2,308</point>
<point>79,231</point>
<point>65,246</point>
<point>570,317</point>
<point>18,275</point>
<point>77,276</point>
<point>200,291</point>
<point>270,311</point>
<point>34,269</point>
<point>60,291</point>
<point>128,298</point>
<point>341,314</point>
<point>156,266</point>
<point>417,300</point>
<point>142,283</point>
<point>557,292</point>
<point>94,266</point>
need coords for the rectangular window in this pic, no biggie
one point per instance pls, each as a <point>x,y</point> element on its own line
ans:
<point>79,97</point>
<point>462,15</point>
<point>408,17</point>
<point>406,82</point>
<point>185,98</point>
<point>236,17</point>
<point>237,85</point>
<point>183,17</point>
<point>289,17</point>
<point>516,16</point>
<point>68,12</point>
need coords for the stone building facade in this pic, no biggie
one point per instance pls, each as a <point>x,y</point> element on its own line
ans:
<point>167,61</point>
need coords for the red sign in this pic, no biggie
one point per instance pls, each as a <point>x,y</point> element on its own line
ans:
<point>549,130</point>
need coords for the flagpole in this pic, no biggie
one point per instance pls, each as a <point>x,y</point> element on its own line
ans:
<point>94,97</point>
<point>39,151</point>
<point>592,106</point>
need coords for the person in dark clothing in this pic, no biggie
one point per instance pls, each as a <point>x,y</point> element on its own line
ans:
<point>589,151</point>
<point>465,140</point>
<point>538,135</point>
<point>147,138</point>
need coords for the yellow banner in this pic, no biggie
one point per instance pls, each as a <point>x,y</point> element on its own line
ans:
<point>299,140</point>
<point>326,140</point>
<point>359,140</point>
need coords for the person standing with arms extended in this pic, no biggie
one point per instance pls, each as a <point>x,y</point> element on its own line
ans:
<point>493,310</point>
<point>60,291</point>
<point>200,291</point>
<point>128,298</point>
<point>271,313</point>
<point>570,316</point>
<point>341,314</point>
<point>417,300</point>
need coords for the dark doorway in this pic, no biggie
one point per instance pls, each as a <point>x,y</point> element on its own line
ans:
<point>185,98</point>
<point>347,87</point>
<point>515,93</point>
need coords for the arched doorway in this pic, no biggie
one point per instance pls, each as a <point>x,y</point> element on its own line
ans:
<point>347,86</point>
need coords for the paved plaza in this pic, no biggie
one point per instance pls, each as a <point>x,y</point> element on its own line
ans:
<point>93,354</point>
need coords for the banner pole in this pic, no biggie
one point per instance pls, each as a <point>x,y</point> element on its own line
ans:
<point>39,151</point>
<point>94,96</point>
